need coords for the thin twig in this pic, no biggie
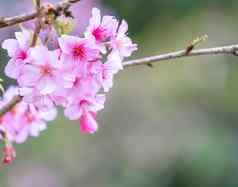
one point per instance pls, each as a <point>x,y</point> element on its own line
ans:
<point>38,4</point>
<point>10,21</point>
<point>232,49</point>
<point>36,34</point>
<point>9,106</point>
<point>37,24</point>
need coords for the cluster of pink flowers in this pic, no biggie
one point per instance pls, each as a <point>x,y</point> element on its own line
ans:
<point>74,76</point>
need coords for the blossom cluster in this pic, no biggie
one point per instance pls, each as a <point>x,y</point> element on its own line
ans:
<point>75,75</point>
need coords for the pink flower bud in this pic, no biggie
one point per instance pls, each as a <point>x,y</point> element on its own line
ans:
<point>9,154</point>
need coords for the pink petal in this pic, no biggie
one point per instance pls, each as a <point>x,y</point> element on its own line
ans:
<point>67,43</point>
<point>98,103</point>
<point>40,55</point>
<point>123,28</point>
<point>37,127</point>
<point>107,83</point>
<point>23,38</point>
<point>88,123</point>
<point>96,17</point>
<point>73,112</point>
<point>11,45</point>
<point>22,135</point>
<point>29,75</point>
<point>46,85</point>
<point>48,115</point>
<point>12,69</point>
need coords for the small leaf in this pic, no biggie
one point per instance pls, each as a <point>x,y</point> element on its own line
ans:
<point>199,39</point>
<point>34,2</point>
<point>65,26</point>
<point>195,42</point>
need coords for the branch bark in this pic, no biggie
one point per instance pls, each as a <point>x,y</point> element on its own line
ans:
<point>231,49</point>
<point>9,106</point>
<point>10,21</point>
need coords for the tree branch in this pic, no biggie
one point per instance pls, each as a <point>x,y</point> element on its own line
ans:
<point>232,50</point>
<point>37,24</point>
<point>9,106</point>
<point>10,21</point>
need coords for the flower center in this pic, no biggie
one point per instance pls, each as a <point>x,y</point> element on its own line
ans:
<point>99,34</point>
<point>83,104</point>
<point>22,55</point>
<point>77,82</point>
<point>30,118</point>
<point>46,70</point>
<point>79,51</point>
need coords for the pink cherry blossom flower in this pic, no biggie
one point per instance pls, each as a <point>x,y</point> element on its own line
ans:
<point>83,109</point>
<point>87,104</point>
<point>24,119</point>
<point>104,72</point>
<point>76,51</point>
<point>18,52</point>
<point>88,123</point>
<point>32,96</point>
<point>82,86</point>
<point>32,122</point>
<point>42,73</point>
<point>121,43</point>
<point>101,29</point>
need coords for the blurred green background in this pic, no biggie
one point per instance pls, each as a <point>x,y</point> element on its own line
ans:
<point>174,125</point>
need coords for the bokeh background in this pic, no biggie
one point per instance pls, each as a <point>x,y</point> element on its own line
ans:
<point>174,125</point>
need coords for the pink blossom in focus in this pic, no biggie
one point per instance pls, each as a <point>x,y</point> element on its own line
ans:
<point>24,119</point>
<point>88,123</point>
<point>18,52</point>
<point>75,49</point>
<point>104,72</point>
<point>42,73</point>
<point>85,111</point>
<point>101,29</point>
<point>121,43</point>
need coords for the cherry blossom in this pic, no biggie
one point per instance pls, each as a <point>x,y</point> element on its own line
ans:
<point>42,73</point>
<point>74,75</point>
<point>121,43</point>
<point>24,119</point>
<point>76,51</point>
<point>101,29</point>
<point>18,52</point>
<point>85,110</point>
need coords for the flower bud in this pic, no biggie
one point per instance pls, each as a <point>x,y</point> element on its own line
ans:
<point>9,154</point>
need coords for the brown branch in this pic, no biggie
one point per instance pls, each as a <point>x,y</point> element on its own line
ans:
<point>36,34</point>
<point>9,106</point>
<point>232,50</point>
<point>37,24</point>
<point>10,21</point>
